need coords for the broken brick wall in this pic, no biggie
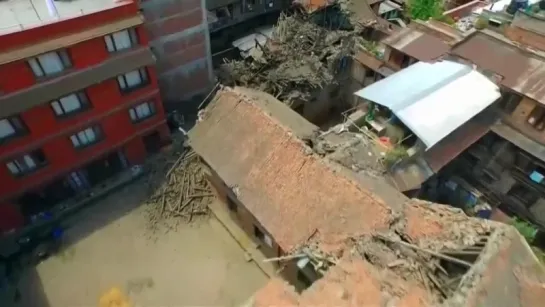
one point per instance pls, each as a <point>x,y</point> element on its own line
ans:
<point>508,274</point>
<point>178,32</point>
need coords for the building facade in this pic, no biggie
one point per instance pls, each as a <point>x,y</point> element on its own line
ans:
<point>178,33</point>
<point>79,103</point>
<point>506,167</point>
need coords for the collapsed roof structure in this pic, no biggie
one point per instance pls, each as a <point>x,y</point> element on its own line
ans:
<point>305,51</point>
<point>371,245</point>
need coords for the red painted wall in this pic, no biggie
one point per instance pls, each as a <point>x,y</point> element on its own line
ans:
<point>67,26</point>
<point>10,217</point>
<point>109,107</point>
<point>18,75</point>
<point>52,136</point>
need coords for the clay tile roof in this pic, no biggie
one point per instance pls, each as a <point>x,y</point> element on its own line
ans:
<point>509,275</point>
<point>506,274</point>
<point>350,283</point>
<point>252,143</point>
<point>523,71</point>
<point>275,293</point>
<point>417,44</point>
<point>353,282</point>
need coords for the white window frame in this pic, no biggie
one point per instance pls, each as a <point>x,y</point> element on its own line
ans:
<point>64,105</point>
<point>142,111</point>
<point>41,68</point>
<point>126,84</point>
<point>11,126</point>
<point>26,163</point>
<point>86,137</point>
<point>121,40</point>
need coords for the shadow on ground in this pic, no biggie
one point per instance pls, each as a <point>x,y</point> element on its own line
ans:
<point>30,292</point>
<point>103,212</point>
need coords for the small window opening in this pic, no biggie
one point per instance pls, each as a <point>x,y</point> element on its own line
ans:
<point>231,204</point>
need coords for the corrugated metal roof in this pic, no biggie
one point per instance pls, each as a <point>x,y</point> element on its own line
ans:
<point>419,45</point>
<point>460,139</point>
<point>433,99</point>
<point>522,71</point>
<point>412,173</point>
<point>411,84</point>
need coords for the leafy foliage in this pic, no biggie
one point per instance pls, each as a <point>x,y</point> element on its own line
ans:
<point>481,23</point>
<point>527,230</point>
<point>425,9</point>
<point>394,155</point>
<point>447,19</point>
<point>372,47</point>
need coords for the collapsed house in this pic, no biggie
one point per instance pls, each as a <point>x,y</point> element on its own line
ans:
<point>307,56</point>
<point>342,238</point>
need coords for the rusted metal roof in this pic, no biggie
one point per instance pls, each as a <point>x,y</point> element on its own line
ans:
<point>523,71</point>
<point>363,11</point>
<point>368,60</point>
<point>459,140</point>
<point>417,44</point>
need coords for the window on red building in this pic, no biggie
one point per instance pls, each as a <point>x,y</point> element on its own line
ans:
<point>121,40</point>
<point>11,127</point>
<point>50,63</point>
<point>142,111</point>
<point>86,137</point>
<point>70,104</point>
<point>132,80</point>
<point>27,163</point>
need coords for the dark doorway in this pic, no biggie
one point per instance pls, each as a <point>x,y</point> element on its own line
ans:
<point>35,202</point>
<point>103,169</point>
<point>152,142</point>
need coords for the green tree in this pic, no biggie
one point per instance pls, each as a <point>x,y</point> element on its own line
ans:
<point>425,9</point>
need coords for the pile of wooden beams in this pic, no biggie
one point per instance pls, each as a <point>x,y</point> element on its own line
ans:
<point>180,195</point>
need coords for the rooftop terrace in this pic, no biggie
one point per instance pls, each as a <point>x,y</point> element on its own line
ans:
<point>18,15</point>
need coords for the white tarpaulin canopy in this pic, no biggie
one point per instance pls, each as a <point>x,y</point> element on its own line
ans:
<point>433,99</point>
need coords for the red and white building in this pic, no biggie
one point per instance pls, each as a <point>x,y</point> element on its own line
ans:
<point>79,101</point>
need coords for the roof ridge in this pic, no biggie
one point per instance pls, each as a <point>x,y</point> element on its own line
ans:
<point>425,93</point>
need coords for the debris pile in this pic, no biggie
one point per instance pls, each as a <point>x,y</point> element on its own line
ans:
<point>299,60</point>
<point>436,262</point>
<point>179,191</point>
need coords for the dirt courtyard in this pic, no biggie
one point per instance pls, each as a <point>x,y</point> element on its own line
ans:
<point>198,265</point>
